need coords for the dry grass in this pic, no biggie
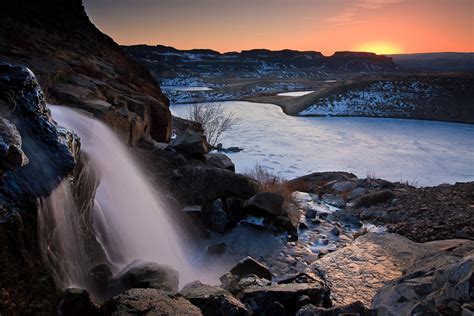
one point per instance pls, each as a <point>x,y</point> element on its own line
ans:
<point>270,182</point>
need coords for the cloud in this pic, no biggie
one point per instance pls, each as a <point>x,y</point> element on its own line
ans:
<point>349,14</point>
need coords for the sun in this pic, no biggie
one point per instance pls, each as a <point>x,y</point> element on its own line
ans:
<point>380,48</point>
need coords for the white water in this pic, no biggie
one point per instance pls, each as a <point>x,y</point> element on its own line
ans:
<point>420,152</point>
<point>129,219</point>
<point>294,93</point>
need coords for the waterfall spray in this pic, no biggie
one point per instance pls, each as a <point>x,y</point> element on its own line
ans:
<point>129,220</point>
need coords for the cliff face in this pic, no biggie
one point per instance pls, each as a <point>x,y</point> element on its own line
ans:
<point>78,65</point>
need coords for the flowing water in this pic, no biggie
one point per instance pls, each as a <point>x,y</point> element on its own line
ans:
<point>129,219</point>
<point>420,152</point>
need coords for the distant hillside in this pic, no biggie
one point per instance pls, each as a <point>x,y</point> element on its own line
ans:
<point>436,61</point>
<point>167,62</point>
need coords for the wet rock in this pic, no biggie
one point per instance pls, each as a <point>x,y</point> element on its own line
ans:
<point>437,284</point>
<point>11,154</point>
<point>266,202</point>
<point>356,308</point>
<point>217,249</point>
<point>262,299</point>
<point>77,302</point>
<point>250,266</point>
<point>374,198</point>
<point>219,219</point>
<point>100,277</point>
<point>148,302</point>
<point>213,300</point>
<point>219,161</point>
<point>141,274</point>
<point>191,143</point>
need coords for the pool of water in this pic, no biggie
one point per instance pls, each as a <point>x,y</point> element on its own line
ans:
<point>294,93</point>
<point>423,153</point>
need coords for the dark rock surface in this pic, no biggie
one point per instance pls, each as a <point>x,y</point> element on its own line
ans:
<point>262,300</point>
<point>356,308</point>
<point>79,66</point>
<point>250,266</point>
<point>213,300</point>
<point>436,285</point>
<point>26,286</point>
<point>148,302</point>
<point>268,203</point>
<point>77,302</point>
<point>190,142</point>
<point>426,214</point>
<point>141,274</point>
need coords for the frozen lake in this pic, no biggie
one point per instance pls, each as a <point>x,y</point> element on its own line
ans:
<point>294,93</point>
<point>421,152</point>
<point>185,88</point>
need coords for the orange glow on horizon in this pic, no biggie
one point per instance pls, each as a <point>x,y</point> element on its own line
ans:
<point>380,48</point>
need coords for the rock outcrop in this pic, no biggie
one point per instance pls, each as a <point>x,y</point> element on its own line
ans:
<point>39,156</point>
<point>77,65</point>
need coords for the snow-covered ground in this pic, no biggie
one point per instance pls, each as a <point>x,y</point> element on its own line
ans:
<point>420,152</point>
<point>294,93</point>
<point>379,98</point>
<point>185,88</point>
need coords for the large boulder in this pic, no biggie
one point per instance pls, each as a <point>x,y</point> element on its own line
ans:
<point>77,302</point>
<point>213,300</point>
<point>436,285</point>
<point>248,266</point>
<point>141,274</point>
<point>314,182</point>
<point>190,142</point>
<point>148,302</point>
<point>219,161</point>
<point>357,271</point>
<point>268,203</point>
<point>202,186</point>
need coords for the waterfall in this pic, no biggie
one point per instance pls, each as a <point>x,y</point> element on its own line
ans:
<point>128,220</point>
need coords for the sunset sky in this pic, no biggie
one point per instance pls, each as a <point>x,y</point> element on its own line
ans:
<point>383,26</point>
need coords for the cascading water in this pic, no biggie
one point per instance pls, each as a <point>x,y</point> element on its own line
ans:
<point>128,220</point>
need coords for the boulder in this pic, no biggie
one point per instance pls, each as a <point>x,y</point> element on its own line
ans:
<point>77,302</point>
<point>356,308</point>
<point>213,300</point>
<point>315,181</point>
<point>334,200</point>
<point>100,277</point>
<point>357,271</point>
<point>374,198</point>
<point>203,186</point>
<point>268,203</point>
<point>250,266</point>
<point>141,274</point>
<point>219,219</point>
<point>437,285</point>
<point>343,186</point>
<point>219,161</point>
<point>262,300</point>
<point>190,142</point>
<point>148,302</point>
